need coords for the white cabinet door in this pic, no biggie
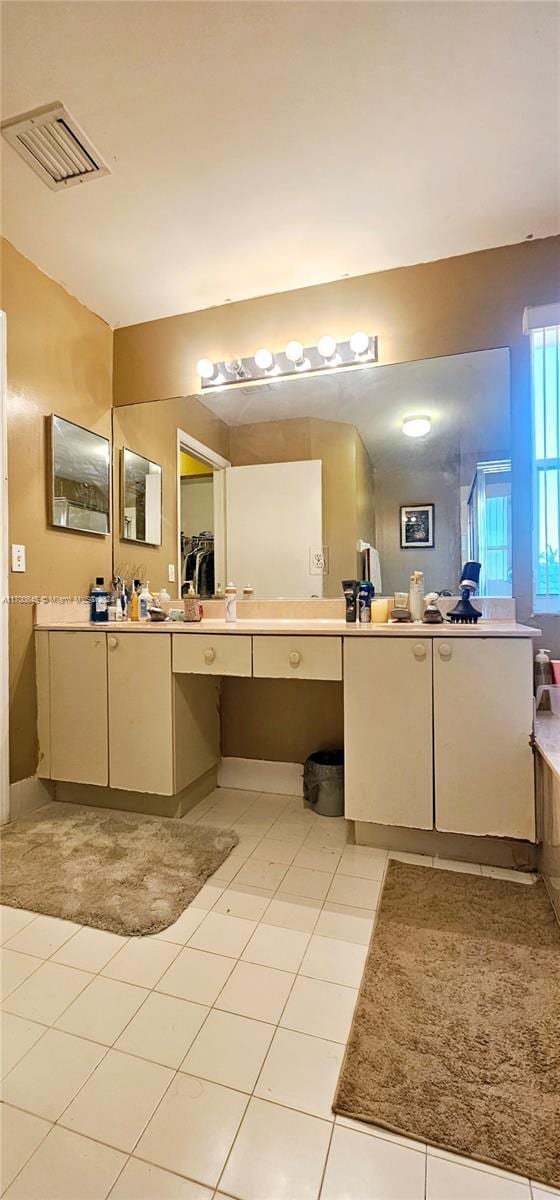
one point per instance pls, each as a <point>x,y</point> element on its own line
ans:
<point>274,519</point>
<point>78,706</point>
<point>388,731</point>
<point>483,717</point>
<point>140,712</point>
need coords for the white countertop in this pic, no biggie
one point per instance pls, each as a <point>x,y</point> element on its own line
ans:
<point>317,627</point>
<point>547,739</point>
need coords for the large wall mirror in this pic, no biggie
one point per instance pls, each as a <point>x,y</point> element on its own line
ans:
<point>408,465</point>
<point>79,472</point>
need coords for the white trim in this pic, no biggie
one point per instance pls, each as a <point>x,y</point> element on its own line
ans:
<point>205,454</point>
<point>541,316</point>
<point>4,678</point>
<point>257,775</point>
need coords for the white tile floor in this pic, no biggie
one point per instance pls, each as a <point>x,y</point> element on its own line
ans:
<point>202,1062</point>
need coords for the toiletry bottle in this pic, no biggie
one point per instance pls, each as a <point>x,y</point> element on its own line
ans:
<point>192,605</point>
<point>543,676</point>
<point>416,596</point>
<point>350,589</point>
<point>99,599</point>
<point>134,606</point>
<point>124,601</point>
<point>365,596</point>
<point>164,595</point>
<point>144,599</point>
<point>231,602</point>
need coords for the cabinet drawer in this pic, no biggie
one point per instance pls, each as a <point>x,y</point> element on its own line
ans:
<point>297,657</point>
<point>211,654</point>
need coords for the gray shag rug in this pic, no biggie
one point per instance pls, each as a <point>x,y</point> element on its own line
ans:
<point>124,872</point>
<point>456,1034</point>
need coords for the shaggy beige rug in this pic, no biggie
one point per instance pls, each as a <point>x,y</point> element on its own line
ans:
<point>456,1034</point>
<point>121,871</point>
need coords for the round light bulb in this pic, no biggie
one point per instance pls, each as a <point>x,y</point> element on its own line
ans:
<point>205,368</point>
<point>326,346</point>
<point>264,359</point>
<point>359,342</point>
<point>416,426</point>
<point>294,352</point>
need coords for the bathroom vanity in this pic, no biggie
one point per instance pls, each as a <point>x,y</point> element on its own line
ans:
<point>437,719</point>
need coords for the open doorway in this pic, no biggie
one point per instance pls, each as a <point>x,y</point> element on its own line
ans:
<point>201,517</point>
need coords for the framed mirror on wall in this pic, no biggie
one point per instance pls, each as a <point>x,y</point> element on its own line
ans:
<point>78,478</point>
<point>140,499</point>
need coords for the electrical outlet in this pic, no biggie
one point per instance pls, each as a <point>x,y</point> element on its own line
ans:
<point>18,558</point>
<point>171,573</point>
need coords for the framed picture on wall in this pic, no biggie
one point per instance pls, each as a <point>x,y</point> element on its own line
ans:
<point>417,526</point>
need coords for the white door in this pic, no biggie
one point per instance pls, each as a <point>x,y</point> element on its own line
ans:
<point>274,523</point>
<point>483,718</point>
<point>388,774</point>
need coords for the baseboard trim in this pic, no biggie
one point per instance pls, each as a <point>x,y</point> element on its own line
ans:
<point>140,802</point>
<point>492,851</point>
<point>258,775</point>
<point>28,794</point>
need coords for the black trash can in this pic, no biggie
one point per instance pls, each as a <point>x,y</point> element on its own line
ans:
<point>323,782</point>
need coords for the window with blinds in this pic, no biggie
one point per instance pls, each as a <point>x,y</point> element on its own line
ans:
<point>545,373</point>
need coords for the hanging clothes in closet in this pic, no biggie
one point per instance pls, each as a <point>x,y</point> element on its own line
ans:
<point>199,564</point>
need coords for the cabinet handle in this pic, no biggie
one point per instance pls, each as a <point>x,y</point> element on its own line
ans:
<point>445,652</point>
<point>209,655</point>
<point>295,658</point>
<point>112,642</point>
<point>419,651</point>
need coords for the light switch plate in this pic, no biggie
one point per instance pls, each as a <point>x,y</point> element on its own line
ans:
<point>18,558</point>
<point>171,573</point>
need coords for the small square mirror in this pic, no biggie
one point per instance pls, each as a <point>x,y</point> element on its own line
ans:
<point>140,499</point>
<point>79,492</point>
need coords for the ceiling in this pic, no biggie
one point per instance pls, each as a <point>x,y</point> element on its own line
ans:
<point>467,397</point>
<point>256,147</point>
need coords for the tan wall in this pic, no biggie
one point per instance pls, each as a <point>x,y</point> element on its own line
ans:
<point>59,360</point>
<point>472,302</point>
<point>151,430</point>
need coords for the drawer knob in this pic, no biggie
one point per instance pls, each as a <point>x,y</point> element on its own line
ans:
<point>209,655</point>
<point>295,658</point>
<point>419,651</point>
<point>445,652</point>
<point>112,643</point>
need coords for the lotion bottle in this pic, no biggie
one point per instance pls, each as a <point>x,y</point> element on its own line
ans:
<point>416,596</point>
<point>144,599</point>
<point>134,606</point>
<point>231,602</point>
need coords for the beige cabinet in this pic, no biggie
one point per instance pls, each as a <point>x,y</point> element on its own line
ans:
<point>140,713</point>
<point>212,654</point>
<point>388,731</point>
<point>483,718</point>
<point>77,706</point>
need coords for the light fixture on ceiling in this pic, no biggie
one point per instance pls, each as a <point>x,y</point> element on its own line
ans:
<point>296,359</point>
<point>296,355</point>
<point>209,372</point>
<point>327,349</point>
<point>234,366</point>
<point>416,427</point>
<point>359,345</point>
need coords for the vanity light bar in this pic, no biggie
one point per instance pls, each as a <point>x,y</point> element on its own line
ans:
<point>360,350</point>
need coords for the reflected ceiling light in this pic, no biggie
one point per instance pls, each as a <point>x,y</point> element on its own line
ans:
<point>264,359</point>
<point>416,426</point>
<point>326,346</point>
<point>359,343</point>
<point>296,355</point>
<point>206,369</point>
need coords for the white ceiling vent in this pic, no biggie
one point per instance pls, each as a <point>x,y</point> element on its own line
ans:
<point>53,144</point>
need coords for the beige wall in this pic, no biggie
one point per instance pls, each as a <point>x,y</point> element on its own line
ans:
<point>59,360</point>
<point>151,430</point>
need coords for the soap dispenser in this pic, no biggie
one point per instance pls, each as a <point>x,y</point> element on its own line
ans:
<point>543,677</point>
